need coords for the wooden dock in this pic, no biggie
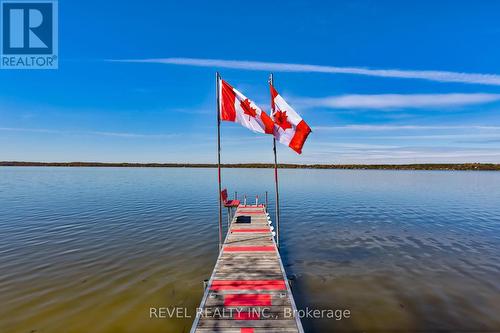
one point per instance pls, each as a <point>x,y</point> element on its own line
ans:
<point>248,291</point>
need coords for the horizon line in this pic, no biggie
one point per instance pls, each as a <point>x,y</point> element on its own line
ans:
<point>416,166</point>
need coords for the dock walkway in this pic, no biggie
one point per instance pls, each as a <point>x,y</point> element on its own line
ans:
<point>248,291</point>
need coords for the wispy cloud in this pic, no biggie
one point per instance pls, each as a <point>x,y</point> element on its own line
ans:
<point>434,137</point>
<point>348,153</point>
<point>92,133</point>
<point>370,128</point>
<point>432,75</point>
<point>413,133</point>
<point>396,101</point>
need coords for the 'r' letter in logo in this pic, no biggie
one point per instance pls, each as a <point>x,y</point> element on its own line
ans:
<point>17,28</point>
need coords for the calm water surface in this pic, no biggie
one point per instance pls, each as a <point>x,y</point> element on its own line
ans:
<point>92,249</point>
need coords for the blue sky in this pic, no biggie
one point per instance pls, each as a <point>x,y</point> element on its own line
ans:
<point>378,82</point>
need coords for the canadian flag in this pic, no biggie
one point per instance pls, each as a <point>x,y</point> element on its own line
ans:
<point>236,107</point>
<point>290,129</point>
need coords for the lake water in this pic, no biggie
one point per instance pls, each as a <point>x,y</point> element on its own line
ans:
<point>92,249</point>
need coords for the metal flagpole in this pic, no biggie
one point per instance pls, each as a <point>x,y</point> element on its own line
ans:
<point>271,82</point>
<point>217,94</point>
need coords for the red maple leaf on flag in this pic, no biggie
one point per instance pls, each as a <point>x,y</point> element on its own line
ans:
<point>280,118</point>
<point>248,109</point>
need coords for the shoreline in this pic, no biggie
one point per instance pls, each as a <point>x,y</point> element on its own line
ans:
<point>416,166</point>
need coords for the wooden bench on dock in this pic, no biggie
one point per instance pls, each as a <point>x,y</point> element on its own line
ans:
<point>248,291</point>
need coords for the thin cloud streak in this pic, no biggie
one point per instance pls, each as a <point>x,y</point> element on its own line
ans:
<point>349,154</point>
<point>396,101</point>
<point>370,128</point>
<point>431,75</point>
<point>97,133</point>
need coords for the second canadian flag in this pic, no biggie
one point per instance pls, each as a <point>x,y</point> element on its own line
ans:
<point>285,124</point>
<point>290,129</point>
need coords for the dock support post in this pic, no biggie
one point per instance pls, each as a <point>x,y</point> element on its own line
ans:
<point>266,201</point>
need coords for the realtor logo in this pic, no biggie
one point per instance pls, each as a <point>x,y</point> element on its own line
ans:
<point>28,34</point>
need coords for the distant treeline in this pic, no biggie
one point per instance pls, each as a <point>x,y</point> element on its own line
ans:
<point>430,166</point>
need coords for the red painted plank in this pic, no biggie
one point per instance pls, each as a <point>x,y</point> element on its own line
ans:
<point>246,330</point>
<point>251,230</point>
<point>246,315</point>
<point>248,285</point>
<point>247,300</point>
<point>249,248</point>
